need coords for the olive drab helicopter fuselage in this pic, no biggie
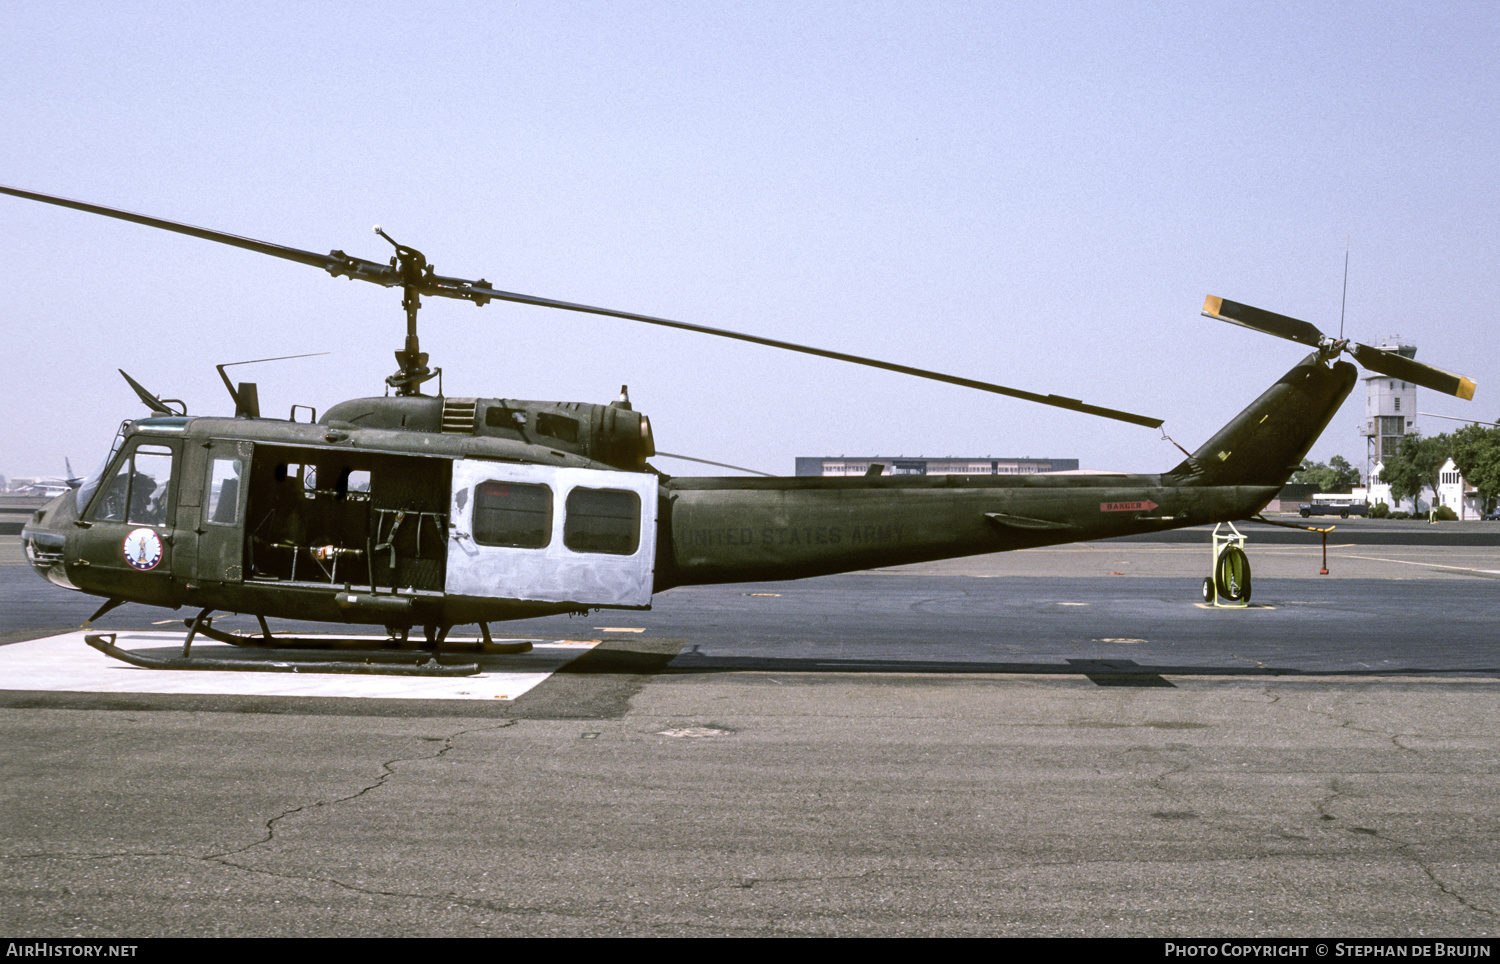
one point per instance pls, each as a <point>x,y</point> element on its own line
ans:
<point>423,510</point>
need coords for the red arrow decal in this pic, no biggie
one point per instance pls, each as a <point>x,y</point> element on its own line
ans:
<point>1145,506</point>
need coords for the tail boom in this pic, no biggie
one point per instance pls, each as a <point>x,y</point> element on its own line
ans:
<point>737,529</point>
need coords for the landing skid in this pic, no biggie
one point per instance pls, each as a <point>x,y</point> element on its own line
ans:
<point>104,643</point>
<point>379,666</point>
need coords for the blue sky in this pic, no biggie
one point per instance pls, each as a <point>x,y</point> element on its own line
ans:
<point>1037,195</point>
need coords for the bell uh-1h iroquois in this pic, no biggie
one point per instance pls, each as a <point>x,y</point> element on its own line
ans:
<point>422,510</point>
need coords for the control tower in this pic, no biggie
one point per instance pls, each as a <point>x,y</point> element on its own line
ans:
<point>1390,408</point>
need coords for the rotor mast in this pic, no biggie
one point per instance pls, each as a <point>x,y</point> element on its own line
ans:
<point>412,268</point>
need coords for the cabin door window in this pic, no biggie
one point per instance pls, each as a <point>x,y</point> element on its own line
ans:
<point>512,514</point>
<point>603,520</point>
<point>222,499</point>
<point>221,532</point>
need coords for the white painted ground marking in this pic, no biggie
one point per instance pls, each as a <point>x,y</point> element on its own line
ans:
<point>1425,565</point>
<point>617,629</point>
<point>67,664</point>
<point>1234,606</point>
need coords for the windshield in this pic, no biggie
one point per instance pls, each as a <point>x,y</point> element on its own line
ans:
<point>86,490</point>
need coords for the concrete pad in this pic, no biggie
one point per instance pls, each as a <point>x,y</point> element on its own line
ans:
<point>65,663</point>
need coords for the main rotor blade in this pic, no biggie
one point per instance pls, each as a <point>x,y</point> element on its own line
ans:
<point>722,465</point>
<point>1258,319</point>
<point>1056,401</point>
<point>1411,370</point>
<point>336,263</point>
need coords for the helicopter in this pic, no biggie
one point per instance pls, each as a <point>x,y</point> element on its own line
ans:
<point>424,510</point>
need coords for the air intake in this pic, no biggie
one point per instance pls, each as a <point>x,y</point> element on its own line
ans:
<point>458,416</point>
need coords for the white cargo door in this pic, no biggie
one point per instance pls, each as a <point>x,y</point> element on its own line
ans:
<point>545,534</point>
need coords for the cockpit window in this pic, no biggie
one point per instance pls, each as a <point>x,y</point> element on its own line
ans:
<point>138,492</point>
<point>91,484</point>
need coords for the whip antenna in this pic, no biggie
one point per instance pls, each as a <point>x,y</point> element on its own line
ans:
<point>1345,299</point>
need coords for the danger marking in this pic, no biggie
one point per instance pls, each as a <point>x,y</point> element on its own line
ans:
<point>1145,506</point>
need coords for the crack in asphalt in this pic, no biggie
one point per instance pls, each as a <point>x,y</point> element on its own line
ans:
<point>1324,805</point>
<point>388,770</point>
<point>1450,891</point>
<point>1345,723</point>
<point>1407,850</point>
<point>1403,848</point>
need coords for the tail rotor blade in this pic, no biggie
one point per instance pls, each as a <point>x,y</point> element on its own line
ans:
<point>1258,319</point>
<point>1373,359</point>
<point>1407,369</point>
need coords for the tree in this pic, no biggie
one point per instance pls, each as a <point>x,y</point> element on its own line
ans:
<point>1337,474</point>
<point>1416,465</point>
<point>1344,474</point>
<point>1476,452</point>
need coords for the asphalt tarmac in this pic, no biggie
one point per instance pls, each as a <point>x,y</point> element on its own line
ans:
<point>1051,742</point>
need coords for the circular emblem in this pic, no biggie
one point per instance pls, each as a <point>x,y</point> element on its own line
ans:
<point>143,549</point>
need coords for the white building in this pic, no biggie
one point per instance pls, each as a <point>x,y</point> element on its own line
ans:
<point>1452,492</point>
<point>1390,413</point>
<point>843,466</point>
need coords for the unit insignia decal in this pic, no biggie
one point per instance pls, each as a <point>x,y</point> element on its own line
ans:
<point>143,549</point>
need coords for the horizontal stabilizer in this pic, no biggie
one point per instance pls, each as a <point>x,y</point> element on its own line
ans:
<point>1023,522</point>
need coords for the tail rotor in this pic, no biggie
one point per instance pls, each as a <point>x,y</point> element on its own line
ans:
<point>1374,359</point>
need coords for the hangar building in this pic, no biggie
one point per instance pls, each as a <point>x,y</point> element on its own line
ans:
<point>843,466</point>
